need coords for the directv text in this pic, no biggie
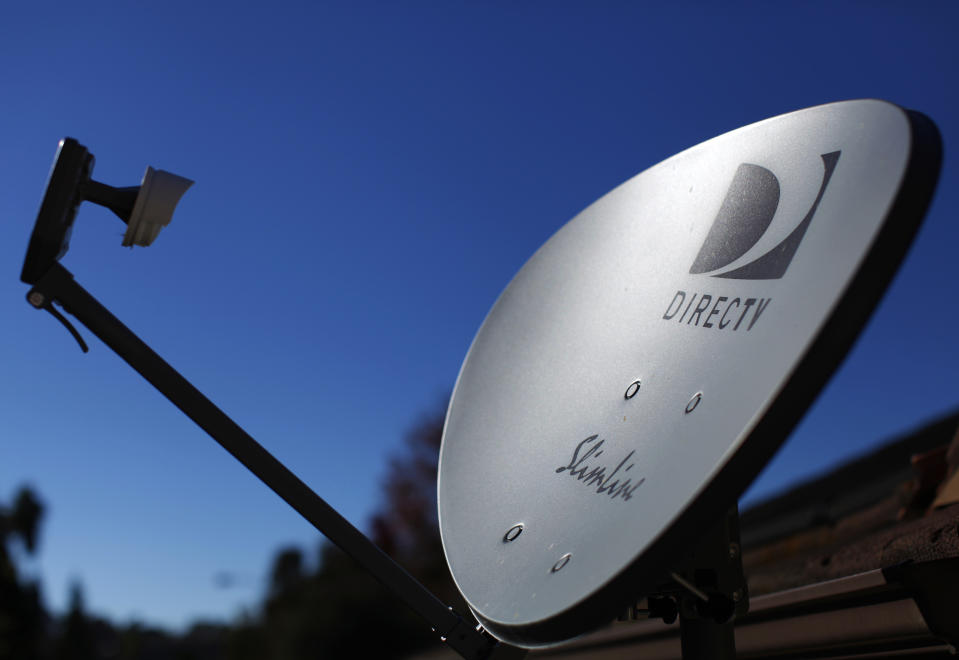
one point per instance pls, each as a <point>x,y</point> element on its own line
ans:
<point>715,312</point>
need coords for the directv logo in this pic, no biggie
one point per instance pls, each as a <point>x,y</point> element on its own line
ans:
<point>743,218</point>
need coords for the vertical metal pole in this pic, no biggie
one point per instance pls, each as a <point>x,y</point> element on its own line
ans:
<point>704,639</point>
<point>707,611</point>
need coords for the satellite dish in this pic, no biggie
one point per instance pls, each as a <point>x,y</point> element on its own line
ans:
<point>650,357</point>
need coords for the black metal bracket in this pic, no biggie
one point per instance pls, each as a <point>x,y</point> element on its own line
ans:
<point>69,185</point>
<point>707,591</point>
<point>38,299</point>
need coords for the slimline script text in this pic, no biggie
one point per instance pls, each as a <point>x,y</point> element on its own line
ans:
<point>591,474</point>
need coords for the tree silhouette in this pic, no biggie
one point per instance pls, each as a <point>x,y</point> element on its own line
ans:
<point>335,610</point>
<point>340,610</point>
<point>406,526</point>
<point>76,640</point>
<point>22,618</point>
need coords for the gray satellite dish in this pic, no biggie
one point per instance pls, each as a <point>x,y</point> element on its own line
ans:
<point>649,359</point>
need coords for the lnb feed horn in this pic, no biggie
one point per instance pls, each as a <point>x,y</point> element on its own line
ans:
<point>146,208</point>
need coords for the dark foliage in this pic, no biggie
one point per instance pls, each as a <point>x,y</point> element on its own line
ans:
<point>340,610</point>
<point>333,611</point>
<point>22,618</point>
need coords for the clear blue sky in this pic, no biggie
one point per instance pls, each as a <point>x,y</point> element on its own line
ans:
<point>368,178</point>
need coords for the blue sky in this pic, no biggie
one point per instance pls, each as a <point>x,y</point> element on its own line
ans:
<point>369,176</point>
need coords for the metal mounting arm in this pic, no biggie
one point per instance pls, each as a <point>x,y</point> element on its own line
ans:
<point>58,285</point>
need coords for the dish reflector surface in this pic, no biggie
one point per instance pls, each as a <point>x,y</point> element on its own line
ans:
<point>649,358</point>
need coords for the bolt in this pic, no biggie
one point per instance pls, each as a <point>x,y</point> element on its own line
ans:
<point>691,406</point>
<point>513,532</point>
<point>733,550</point>
<point>562,562</point>
<point>36,299</point>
